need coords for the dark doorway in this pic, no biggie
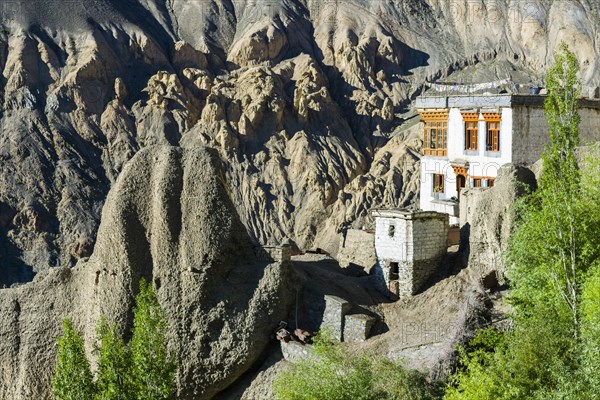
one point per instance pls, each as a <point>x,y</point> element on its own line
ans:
<point>393,283</point>
<point>394,271</point>
<point>461,182</point>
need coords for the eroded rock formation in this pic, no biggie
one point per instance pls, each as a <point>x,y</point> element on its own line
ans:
<point>300,96</point>
<point>487,217</point>
<point>307,105</point>
<point>169,219</point>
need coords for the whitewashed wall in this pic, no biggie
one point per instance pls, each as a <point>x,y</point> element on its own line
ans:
<point>418,245</point>
<point>414,239</point>
<point>481,163</point>
<point>394,248</point>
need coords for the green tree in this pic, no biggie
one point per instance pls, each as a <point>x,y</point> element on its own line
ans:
<point>560,181</point>
<point>144,369</point>
<point>114,364</point>
<point>152,365</point>
<point>552,256</point>
<point>552,248</point>
<point>72,379</point>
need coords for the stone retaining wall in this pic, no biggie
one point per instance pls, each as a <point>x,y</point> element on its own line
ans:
<point>357,248</point>
<point>273,253</point>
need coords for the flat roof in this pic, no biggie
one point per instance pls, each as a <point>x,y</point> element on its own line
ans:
<point>406,214</point>
<point>491,100</point>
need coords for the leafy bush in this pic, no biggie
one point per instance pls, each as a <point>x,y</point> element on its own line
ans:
<point>589,373</point>
<point>473,381</point>
<point>332,373</point>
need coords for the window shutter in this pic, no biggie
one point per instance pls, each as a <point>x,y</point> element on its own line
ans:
<point>493,120</point>
<point>471,119</point>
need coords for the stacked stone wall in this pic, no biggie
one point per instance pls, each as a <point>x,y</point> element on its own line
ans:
<point>357,327</point>
<point>530,132</point>
<point>336,309</point>
<point>418,245</point>
<point>273,253</point>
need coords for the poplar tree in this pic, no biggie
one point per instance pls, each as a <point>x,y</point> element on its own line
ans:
<point>554,268</point>
<point>72,379</point>
<point>560,180</point>
<point>144,369</point>
<point>152,364</point>
<point>114,364</point>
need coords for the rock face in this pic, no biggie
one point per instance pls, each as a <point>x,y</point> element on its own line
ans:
<point>307,105</point>
<point>301,98</point>
<point>169,219</point>
<point>487,216</point>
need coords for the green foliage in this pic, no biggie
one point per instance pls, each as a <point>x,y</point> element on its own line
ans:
<point>114,365</point>
<point>391,381</point>
<point>546,256</point>
<point>590,332</point>
<point>473,381</point>
<point>334,374</point>
<point>553,260</point>
<point>153,366</point>
<point>486,340</point>
<point>72,379</point>
<point>561,107</point>
<point>144,369</point>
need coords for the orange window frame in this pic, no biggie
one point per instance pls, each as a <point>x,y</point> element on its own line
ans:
<point>492,141</point>
<point>478,181</point>
<point>471,120</point>
<point>435,133</point>
<point>471,133</point>
<point>439,181</point>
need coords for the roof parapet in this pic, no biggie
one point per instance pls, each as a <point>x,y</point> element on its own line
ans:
<point>491,100</point>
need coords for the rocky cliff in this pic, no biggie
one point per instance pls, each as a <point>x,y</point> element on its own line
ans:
<point>168,218</point>
<point>487,219</point>
<point>166,139</point>
<point>301,98</point>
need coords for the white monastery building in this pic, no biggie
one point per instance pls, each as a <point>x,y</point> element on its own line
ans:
<point>467,138</point>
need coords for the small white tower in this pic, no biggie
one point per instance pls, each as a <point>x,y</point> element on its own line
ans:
<point>409,247</point>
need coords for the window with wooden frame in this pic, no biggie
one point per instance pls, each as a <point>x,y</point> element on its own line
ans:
<point>435,135</point>
<point>492,142</point>
<point>471,129</point>
<point>482,181</point>
<point>438,183</point>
